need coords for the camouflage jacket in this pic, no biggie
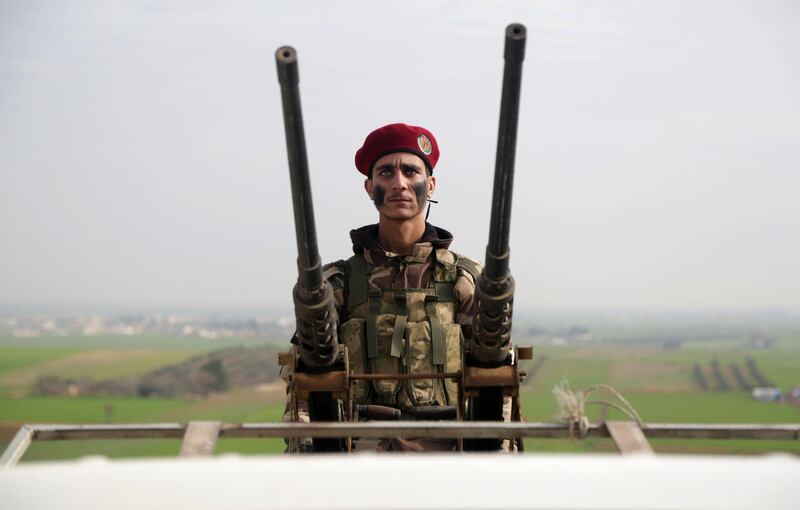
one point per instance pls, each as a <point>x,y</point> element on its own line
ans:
<point>409,271</point>
<point>412,315</point>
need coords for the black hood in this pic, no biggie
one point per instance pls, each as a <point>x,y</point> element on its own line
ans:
<point>367,238</point>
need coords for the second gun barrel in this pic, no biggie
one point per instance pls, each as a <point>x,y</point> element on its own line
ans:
<point>497,251</point>
<point>308,261</point>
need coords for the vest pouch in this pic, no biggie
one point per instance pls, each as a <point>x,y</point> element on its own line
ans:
<point>454,348</point>
<point>419,360</point>
<point>352,336</point>
<point>385,363</point>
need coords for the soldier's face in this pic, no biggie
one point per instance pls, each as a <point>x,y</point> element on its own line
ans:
<point>400,186</point>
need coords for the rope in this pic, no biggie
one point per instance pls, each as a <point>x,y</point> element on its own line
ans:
<point>572,406</point>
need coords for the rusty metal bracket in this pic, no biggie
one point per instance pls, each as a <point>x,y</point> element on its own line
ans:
<point>505,376</point>
<point>287,358</point>
<point>525,352</point>
<point>335,381</point>
<point>479,377</point>
<point>405,377</point>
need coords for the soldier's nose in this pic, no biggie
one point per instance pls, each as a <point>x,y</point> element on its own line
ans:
<point>399,181</point>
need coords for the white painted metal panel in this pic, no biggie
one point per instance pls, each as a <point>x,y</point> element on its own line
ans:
<point>489,481</point>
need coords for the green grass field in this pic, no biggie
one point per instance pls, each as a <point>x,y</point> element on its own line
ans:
<point>657,382</point>
<point>245,406</point>
<point>22,366</point>
<point>674,408</point>
<point>87,409</point>
<point>654,369</point>
<point>18,358</point>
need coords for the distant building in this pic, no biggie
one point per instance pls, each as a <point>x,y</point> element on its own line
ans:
<point>767,394</point>
<point>760,342</point>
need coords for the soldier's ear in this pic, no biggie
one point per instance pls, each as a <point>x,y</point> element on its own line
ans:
<point>368,187</point>
<point>431,185</point>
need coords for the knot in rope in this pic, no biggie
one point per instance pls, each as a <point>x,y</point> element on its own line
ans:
<point>572,406</point>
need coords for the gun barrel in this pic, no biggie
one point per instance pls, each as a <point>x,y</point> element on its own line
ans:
<point>494,290</point>
<point>313,298</point>
<point>497,251</point>
<point>308,261</point>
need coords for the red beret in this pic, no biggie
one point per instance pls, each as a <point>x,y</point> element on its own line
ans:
<point>397,138</point>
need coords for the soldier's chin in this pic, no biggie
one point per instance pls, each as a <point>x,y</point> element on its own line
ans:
<point>403,213</point>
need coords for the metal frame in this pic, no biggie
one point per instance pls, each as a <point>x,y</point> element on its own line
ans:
<point>470,380</point>
<point>338,383</point>
<point>200,437</point>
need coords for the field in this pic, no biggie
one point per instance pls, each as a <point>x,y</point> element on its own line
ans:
<point>27,365</point>
<point>658,383</point>
<point>653,369</point>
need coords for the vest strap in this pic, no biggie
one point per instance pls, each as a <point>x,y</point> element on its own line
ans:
<point>399,324</point>
<point>357,282</point>
<point>445,291</point>
<point>437,336</point>
<point>374,297</point>
<point>469,266</point>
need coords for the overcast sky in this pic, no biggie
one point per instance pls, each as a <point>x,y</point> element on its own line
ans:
<point>143,160</point>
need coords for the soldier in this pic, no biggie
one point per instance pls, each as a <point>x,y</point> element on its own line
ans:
<point>405,302</point>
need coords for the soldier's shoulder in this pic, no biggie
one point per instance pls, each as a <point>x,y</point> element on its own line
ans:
<point>334,272</point>
<point>468,266</point>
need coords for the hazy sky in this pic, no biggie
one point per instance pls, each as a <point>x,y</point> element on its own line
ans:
<point>143,161</point>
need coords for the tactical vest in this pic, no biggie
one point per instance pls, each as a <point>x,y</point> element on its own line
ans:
<point>403,331</point>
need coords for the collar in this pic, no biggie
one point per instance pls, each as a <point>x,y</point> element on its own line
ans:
<point>366,238</point>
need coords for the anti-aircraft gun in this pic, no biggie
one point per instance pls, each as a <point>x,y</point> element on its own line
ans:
<point>490,372</point>
<point>320,375</point>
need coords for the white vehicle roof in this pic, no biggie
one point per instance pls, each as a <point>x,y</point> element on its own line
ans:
<point>394,481</point>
